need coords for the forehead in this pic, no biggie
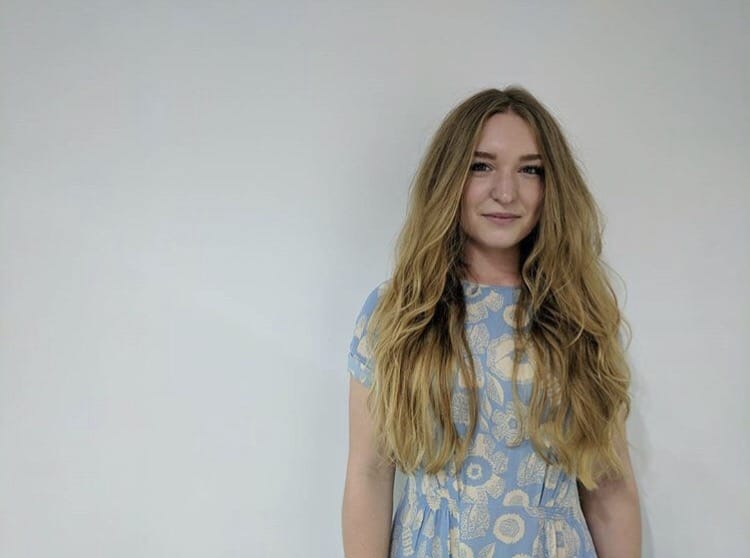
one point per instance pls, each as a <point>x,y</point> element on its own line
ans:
<point>507,133</point>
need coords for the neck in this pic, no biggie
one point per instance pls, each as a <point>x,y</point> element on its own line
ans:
<point>499,267</point>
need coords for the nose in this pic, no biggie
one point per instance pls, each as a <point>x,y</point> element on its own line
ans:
<point>504,186</point>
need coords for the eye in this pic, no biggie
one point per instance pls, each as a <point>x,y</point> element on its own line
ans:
<point>536,169</point>
<point>474,166</point>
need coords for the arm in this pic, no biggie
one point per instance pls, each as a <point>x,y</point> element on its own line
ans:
<point>368,492</point>
<point>612,510</point>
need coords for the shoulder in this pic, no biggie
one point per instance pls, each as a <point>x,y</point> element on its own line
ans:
<point>368,307</point>
<point>373,297</point>
<point>360,353</point>
<point>366,310</point>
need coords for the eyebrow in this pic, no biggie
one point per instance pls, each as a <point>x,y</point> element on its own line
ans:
<point>528,157</point>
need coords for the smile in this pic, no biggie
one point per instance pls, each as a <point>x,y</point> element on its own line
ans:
<point>501,220</point>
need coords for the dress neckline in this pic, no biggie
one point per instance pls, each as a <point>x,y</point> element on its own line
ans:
<point>475,285</point>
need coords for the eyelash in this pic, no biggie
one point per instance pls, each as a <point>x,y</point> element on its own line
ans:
<point>538,168</point>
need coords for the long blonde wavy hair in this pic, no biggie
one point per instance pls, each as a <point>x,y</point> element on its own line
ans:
<point>567,316</point>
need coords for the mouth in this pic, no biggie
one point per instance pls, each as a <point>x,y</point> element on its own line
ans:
<point>501,218</point>
<point>501,214</point>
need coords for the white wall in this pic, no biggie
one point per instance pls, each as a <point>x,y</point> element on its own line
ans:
<point>195,197</point>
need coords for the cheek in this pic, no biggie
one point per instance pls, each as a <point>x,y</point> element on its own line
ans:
<point>472,195</point>
<point>466,200</point>
<point>535,200</point>
<point>465,215</point>
<point>470,202</point>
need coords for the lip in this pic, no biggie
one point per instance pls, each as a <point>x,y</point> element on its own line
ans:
<point>501,218</point>
<point>501,215</point>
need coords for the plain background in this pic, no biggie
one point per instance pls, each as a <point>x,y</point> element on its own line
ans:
<point>196,198</point>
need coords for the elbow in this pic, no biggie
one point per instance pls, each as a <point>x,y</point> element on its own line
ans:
<point>610,499</point>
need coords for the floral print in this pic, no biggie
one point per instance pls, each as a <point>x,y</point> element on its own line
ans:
<point>505,501</point>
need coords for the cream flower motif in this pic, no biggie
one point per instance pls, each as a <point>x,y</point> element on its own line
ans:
<point>423,551</point>
<point>552,478</point>
<point>418,522</point>
<point>483,468</point>
<point>363,347</point>
<point>485,407</point>
<point>479,374</point>
<point>479,310</point>
<point>509,528</point>
<point>487,551</point>
<point>567,493</point>
<point>407,537</point>
<point>556,538</point>
<point>478,337</point>
<point>460,407</point>
<point>500,360</point>
<point>531,470</point>
<point>494,301</point>
<point>435,489</point>
<point>412,517</point>
<point>471,290</point>
<point>509,315</point>
<point>475,312</point>
<point>428,527</point>
<point>495,391</point>
<point>505,425</point>
<point>516,497</point>
<point>481,478</point>
<point>465,551</point>
<point>457,547</point>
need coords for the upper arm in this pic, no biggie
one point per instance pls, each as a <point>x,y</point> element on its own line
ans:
<point>360,364</point>
<point>624,487</point>
<point>364,457</point>
<point>612,510</point>
<point>363,453</point>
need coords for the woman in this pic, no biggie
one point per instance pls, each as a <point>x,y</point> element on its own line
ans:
<point>489,367</point>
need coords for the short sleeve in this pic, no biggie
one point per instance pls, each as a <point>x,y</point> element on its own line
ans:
<point>360,363</point>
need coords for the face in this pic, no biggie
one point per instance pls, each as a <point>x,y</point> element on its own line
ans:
<point>506,178</point>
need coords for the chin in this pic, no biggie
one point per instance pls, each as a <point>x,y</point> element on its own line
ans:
<point>495,245</point>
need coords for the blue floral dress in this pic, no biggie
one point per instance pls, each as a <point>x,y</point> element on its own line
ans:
<point>505,501</point>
